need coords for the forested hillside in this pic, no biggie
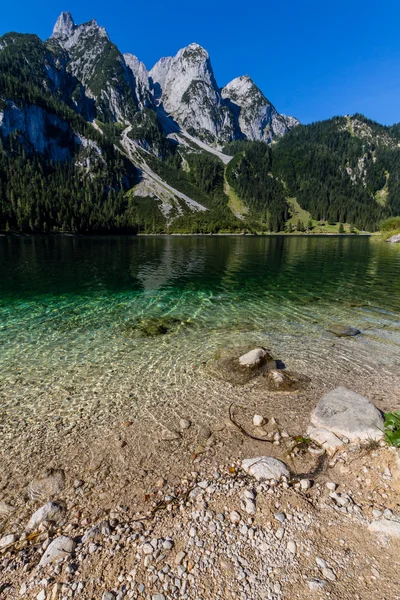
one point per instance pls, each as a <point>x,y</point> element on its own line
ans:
<point>345,170</point>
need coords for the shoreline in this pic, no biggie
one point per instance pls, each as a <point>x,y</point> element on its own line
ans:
<point>242,235</point>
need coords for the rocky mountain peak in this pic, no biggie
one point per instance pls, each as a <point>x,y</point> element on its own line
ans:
<point>255,116</point>
<point>64,26</point>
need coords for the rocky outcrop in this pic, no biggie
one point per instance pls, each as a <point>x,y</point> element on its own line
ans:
<point>38,129</point>
<point>142,85</point>
<point>347,414</point>
<point>186,88</point>
<point>98,64</point>
<point>255,117</point>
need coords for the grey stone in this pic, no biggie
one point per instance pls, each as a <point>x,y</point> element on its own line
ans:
<point>254,358</point>
<point>316,585</point>
<point>7,540</point>
<point>328,440</point>
<point>61,547</point>
<point>386,527</point>
<point>52,511</point>
<point>265,468</point>
<point>345,413</point>
<point>395,239</point>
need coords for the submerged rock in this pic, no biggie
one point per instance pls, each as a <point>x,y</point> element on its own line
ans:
<point>348,414</point>
<point>240,365</point>
<point>153,326</point>
<point>285,381</point>
<point>265,468</point>
<point>343,330</point>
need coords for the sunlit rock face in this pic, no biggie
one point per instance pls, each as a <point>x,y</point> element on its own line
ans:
<point>185,86</point>
<point>255,117</point>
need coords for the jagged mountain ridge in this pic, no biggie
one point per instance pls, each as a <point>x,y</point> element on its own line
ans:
<point>184,86</point>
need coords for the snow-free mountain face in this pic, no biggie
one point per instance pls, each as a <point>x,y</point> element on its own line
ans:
<point>255,117</point>
<point>96,62</point>
<point>142,84</point>
<point>185,86</point>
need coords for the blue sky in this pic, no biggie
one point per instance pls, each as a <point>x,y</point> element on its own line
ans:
<point>312,58</point>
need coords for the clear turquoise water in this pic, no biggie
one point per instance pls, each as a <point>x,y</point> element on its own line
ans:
<point>69,307</point>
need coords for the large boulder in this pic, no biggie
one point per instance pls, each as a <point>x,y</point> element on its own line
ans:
<point>345,413</point>
<point>395,239</point>
<point>264,468</point>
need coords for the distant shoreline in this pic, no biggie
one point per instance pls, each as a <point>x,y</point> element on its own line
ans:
<point>241,235</point>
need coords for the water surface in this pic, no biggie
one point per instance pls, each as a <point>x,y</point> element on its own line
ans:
<point>71,310</point>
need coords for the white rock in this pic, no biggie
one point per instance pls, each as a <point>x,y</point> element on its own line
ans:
<point>234,517</point>
<point>52,511</point>
<point>292,548</point>
<point>253,358</point>
<point>169,435</point>
<point>258,421</point>
<point>179,557</point>
<point>61,547</point>
<point>255,116</point>
<point>305,484</point>
<point>330,485</point>
<point>329,574</point>
<point>7,540</point>
<point>395,239</point>
<point>317,585</point>
<point>265,468</point>
<point>346,413</point>
<point>329,441</point>
<point>386,527</point>
<point>41,595</point>
<point>184,424</point>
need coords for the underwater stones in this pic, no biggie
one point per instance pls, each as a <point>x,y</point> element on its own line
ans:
<point>51,483</point>
<point>345,413</point>
<point>284,381</point>
<point>50,512</point>
<point>240,365</point>
<point>61,547</point>
<point>153,326</point>
<point>264,468</point>
<point>343,330</point>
